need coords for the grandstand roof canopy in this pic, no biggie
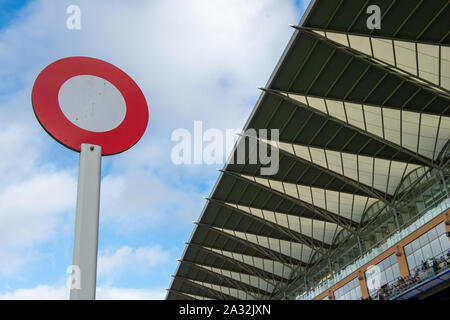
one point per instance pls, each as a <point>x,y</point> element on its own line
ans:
<point>357,110</point>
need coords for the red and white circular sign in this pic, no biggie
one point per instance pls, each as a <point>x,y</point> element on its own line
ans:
<point>85,100</point>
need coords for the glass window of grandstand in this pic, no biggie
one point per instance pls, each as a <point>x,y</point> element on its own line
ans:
<point>421,191</point>
<point>349,291</point>
<point>428,254</point>
<point>387,273</point>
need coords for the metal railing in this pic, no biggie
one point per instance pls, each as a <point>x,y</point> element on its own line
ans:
<point>398,286</point>
<point>376,251</point>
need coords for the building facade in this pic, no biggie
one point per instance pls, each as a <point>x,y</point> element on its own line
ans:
<point>362,110</point>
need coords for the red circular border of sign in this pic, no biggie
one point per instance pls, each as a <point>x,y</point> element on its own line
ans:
<point>49,114</point>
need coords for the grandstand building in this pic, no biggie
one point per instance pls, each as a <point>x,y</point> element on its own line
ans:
<point>361,197</point>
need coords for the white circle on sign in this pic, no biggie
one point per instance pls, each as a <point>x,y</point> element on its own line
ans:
<point>92,103</point>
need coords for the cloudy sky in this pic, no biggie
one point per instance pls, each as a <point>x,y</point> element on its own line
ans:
<point>193,60</point>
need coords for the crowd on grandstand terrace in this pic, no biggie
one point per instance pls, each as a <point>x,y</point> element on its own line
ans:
<point>426,270</point>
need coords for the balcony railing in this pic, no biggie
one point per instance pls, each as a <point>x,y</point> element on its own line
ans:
<point>418,276</point>
<point>373,253</point>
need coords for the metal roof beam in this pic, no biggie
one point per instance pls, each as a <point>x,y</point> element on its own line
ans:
<point>295,236</point>
<point>218,294</point>
<point>432,21</point>
<point>274,255</point>
<point>252,270</point>
<point>362,34</point>
<point>411,13</point>
<point>281,94</point>
<point>186,295</point>
<point>371,61</point>
<point>329,216</point>
<point>256,293</point>
<point>364,188</point>
<point>324,252</point>
<point>394,66</point>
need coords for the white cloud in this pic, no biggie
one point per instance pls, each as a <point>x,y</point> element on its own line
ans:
<point>139,261</point>
<point>139,200</point>
<point>31,213</point>
<point>197,59</point>
<point>34,199</point>
<point>44,292</point>
<point>106,293</point>
<point>112,265</point>
<point>20,152</point>
<point>194,60</point>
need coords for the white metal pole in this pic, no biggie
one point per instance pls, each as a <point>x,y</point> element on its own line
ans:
<point>86,224</point>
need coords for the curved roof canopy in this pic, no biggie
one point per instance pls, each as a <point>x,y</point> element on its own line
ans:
<point>357,110</point>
